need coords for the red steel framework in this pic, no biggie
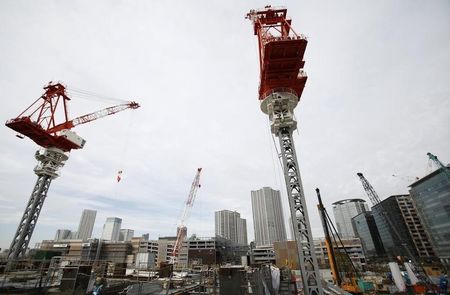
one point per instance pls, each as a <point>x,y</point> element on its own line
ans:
<point>281,51</point>
<point>39,120</point>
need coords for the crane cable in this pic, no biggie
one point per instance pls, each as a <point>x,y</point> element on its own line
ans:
<point>89,95</point>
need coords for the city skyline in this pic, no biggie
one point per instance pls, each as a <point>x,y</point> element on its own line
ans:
<point>370,105</point>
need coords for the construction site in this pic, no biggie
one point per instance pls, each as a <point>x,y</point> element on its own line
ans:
<point>400,246</point>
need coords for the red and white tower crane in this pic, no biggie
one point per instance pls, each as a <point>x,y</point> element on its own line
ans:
<point>181,228</point>
<point>39,122</point>
<point>282,80</point>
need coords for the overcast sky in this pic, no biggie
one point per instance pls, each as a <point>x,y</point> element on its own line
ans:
<point>376,101</point>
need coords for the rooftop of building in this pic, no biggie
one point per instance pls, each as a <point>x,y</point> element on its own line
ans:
<point>427,177</point>
<point>354,200</point>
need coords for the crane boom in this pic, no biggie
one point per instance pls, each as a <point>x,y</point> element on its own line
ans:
<point>186,212</point>
<point>371,193</point>
<point>94,116</point>
<point>39,121</point>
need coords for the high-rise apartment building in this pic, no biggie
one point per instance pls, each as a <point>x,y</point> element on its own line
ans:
<point>111,229</point>
<point>86,224</point>
<point>431,197</point>
<point>230,225</point>
<point>344,211</point>
<point>268,218</point>
<point>242,232</point>
<point>63,234</point>
<point>126,235</point>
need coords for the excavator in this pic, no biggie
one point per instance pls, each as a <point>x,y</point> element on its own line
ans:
<point>350,281</point>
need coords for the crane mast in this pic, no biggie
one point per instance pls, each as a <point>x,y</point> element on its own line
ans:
<point>281,85</point>
<point>39,123</point>
<point>186,213</point>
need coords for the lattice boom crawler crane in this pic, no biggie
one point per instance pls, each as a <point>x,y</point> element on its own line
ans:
<point>39,123</point>
<point>282,81</point>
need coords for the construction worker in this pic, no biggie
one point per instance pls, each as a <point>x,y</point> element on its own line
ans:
<point>98,287</point>
<point>443,285</point>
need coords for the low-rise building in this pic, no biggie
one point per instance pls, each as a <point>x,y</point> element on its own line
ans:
<point>352,246</point>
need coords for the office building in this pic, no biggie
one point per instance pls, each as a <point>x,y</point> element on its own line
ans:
<point>344,211</point>
<point>86,224</point>
<point>366,229</point>
<point>166,246</point>
<point>111,229</point>
<point>230,225</point>
<point>431,197</point>
<point>415,227</point>
<point>126,235</point>
<point>268,217</point>
<point>210,251</point>
<point>396,241</point>
<point>63,234</point>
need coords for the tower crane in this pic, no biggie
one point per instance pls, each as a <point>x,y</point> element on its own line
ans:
<point>39,122</point>
<point>439,164</point>
<point>281,84</point>
<point>181,228</point>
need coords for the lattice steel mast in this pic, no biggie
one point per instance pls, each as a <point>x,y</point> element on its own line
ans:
<point>49,161</point>
<point>281,84</point>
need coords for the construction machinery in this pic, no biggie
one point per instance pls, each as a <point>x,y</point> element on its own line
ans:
<point>181,228</point>
<point>439,164</point>
<point>46,122</point>
<point>350,282</point>
<point>281,84</point>
<point>415,264</point>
